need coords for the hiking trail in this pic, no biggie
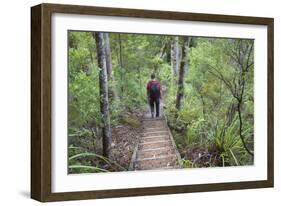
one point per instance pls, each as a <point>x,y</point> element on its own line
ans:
<point>156,147</point>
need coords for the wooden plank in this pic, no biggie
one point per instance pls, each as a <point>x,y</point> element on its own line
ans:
<point>156,158</point>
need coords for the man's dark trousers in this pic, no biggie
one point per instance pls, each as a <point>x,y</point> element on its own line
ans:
<point>154,103</point>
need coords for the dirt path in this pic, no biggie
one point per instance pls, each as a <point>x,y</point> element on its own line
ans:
<point>156,148</point>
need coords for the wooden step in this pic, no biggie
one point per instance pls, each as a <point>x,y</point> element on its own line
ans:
<point>155,153</point>
<point>155,138</point>
<point>153,129</point>
<point>155,158</point>
<point>152,136</point>
<point>158,148</point>
<point>153,124</point>
<point>159,162</point>
<point>145,134</point>
<point>153,145</point>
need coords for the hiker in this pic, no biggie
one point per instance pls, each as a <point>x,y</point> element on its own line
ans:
<point>153,95</point>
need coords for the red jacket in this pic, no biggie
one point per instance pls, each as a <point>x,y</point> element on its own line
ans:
<point>148,86</point>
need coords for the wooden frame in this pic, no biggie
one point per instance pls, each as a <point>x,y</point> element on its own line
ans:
<point>41,101</point>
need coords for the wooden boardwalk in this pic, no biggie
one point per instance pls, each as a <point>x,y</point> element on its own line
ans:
<point>156,148</point>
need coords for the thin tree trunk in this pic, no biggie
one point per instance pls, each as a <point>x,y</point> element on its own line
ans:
<point>104,103</point>
<point>183,68</point>
<point>121,63</point>
<point>239,105</point>
<point>203,105</point>
<point>163,48</point>
<point>110,75</point>
<point>108,55</point>
<point>140,83</point>
<point>241,129</point>
<point>175,56</point>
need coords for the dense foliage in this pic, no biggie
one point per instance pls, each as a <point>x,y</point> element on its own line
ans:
<point>213,126</point>
<point>209,120</point>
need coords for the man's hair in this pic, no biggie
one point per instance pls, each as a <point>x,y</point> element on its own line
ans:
<point>152,76</point>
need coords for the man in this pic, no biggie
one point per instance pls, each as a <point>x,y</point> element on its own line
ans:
<point>154,95</point>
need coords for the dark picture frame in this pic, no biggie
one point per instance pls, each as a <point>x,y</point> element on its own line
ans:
<point>41,95</point>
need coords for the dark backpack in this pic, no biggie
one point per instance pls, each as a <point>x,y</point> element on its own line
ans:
<point>154,90</point>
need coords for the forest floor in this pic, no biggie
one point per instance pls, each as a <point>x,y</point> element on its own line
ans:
<point>196,155</point>
<point>125,138</point>
<point>200,156</point>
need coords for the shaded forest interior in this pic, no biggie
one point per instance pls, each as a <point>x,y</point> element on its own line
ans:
<point>209,98</point>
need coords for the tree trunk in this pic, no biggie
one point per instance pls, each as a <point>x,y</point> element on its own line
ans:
<point>121,64</point>
<point>163,48</point>
<point>182,71</point>
<point>175,56</point>
<point>108,57</point>
<point>104,104</point>
<point>239,104</point>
